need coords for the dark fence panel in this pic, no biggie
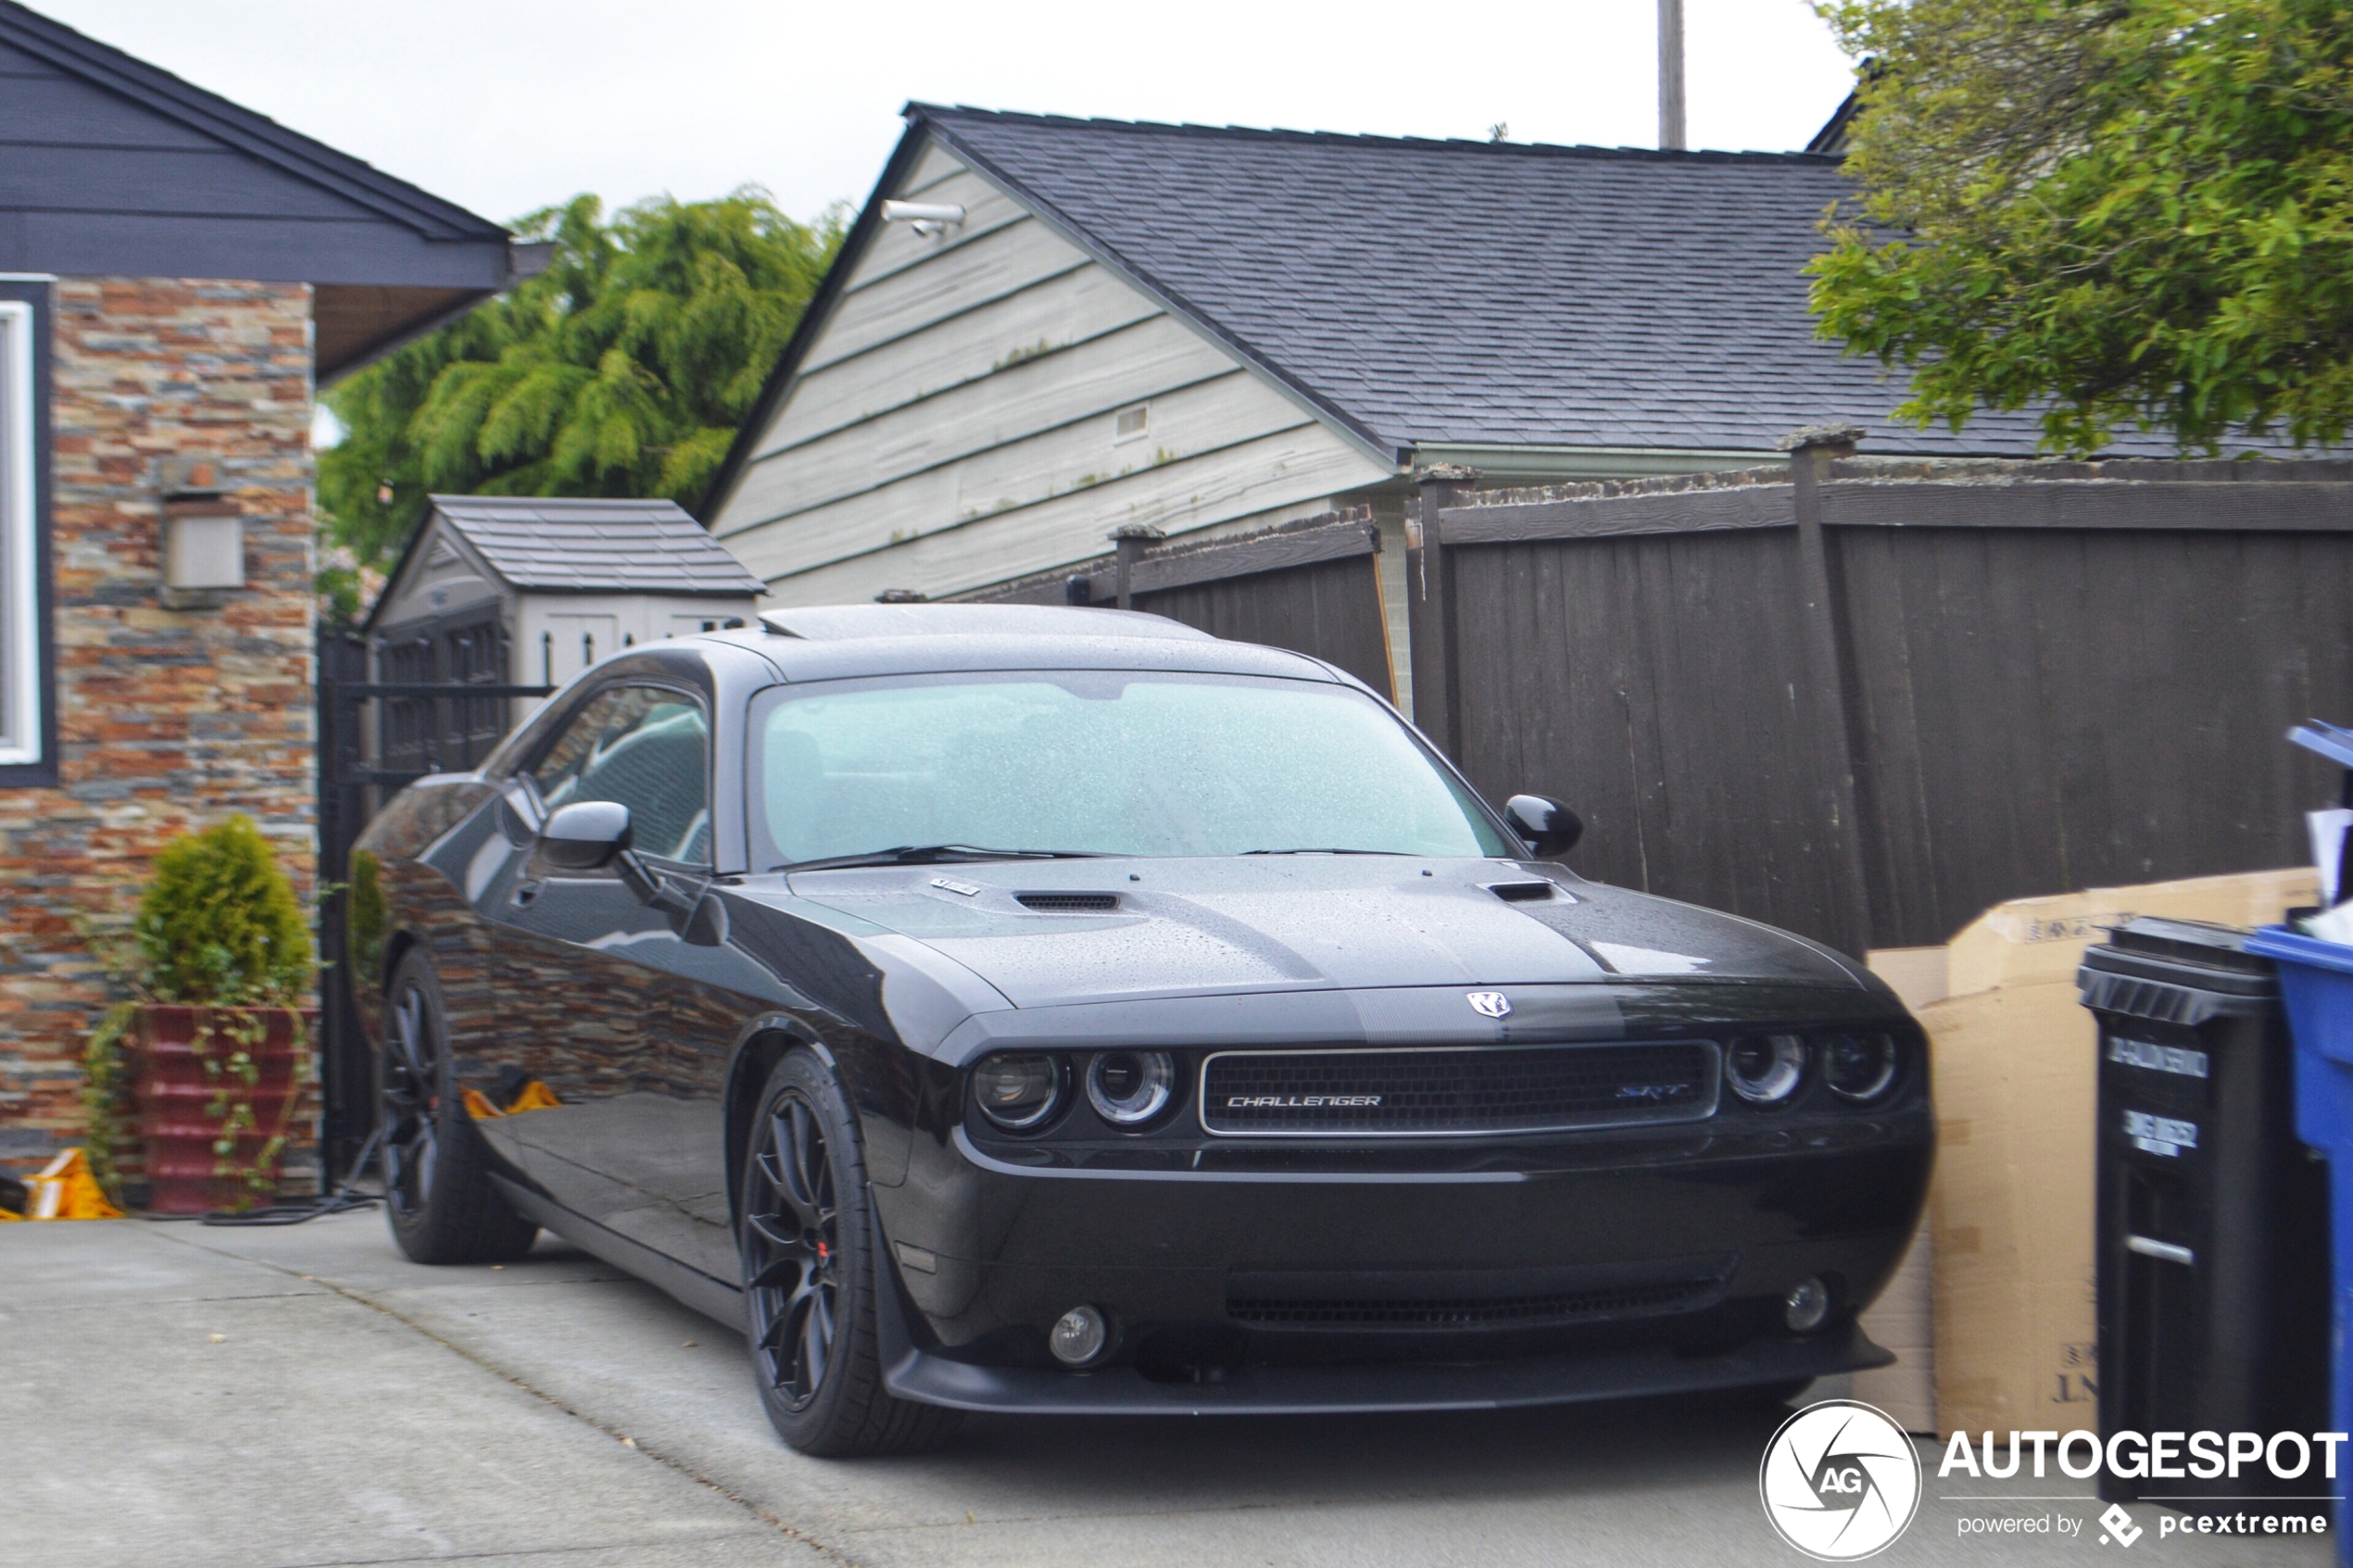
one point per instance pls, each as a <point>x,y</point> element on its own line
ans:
<point>345,1090</point>
<point>2070,709</point>
<point>1331,610</point>
<point>2050,679</point>
<point>1312,586</point>
<point>1656,685</point>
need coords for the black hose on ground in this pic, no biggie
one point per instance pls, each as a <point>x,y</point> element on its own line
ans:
<point>342,1198</point>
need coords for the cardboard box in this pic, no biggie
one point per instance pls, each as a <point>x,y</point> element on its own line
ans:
<point>2014,1056</point>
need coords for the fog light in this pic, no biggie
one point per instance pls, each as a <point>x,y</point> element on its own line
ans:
<point>1079,1337</point>
<point>1018,1092</point>
<point>1807,1307</point>
<point>1128,1089</point>
<point>1766,1069</point>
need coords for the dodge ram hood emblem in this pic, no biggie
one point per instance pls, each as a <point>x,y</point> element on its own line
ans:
<point>1490,1004</point>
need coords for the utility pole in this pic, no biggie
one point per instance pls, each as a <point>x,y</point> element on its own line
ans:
<point>1671,74</point>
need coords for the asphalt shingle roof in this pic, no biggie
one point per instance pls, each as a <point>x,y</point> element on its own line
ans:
<point>577,546</point>
<point>1468,292</point>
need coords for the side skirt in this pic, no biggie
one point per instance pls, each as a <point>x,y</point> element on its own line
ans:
<point>713,1299</point>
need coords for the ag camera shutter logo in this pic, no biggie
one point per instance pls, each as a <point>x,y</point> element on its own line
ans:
<point>1840,1481</point>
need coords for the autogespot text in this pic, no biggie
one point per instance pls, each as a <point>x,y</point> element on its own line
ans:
<point>2154,1456</point>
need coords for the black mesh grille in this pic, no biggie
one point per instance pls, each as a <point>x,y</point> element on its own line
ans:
<point>1509,1312</point>
<point>1482,1089</point>
<point>1069,903</point>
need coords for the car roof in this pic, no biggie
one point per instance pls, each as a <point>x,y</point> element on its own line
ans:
<point>839,622</point>
<point>833,642</point>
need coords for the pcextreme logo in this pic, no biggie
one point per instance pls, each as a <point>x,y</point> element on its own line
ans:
<point>1840,1481</point>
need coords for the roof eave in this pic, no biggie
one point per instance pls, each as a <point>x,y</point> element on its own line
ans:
<point>255,135</point>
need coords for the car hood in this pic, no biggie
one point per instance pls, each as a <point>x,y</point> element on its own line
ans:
<point>1205,927</point>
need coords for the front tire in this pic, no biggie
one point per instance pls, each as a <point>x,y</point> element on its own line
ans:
<point>811,1276</point>
<point>437,1191</point>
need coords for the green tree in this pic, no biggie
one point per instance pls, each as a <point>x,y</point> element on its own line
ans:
<point>623,369</point>
<point>2128,212</point>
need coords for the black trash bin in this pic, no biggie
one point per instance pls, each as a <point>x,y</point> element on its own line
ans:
<point>2213,1221</point>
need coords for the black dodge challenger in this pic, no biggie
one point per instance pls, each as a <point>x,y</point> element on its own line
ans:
<point>1062,1010</point>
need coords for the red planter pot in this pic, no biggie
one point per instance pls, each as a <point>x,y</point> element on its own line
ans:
<point>176,1094</point>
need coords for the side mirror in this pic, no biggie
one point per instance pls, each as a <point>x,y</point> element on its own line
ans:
<point>1550,827</point>
<point>585,835</point>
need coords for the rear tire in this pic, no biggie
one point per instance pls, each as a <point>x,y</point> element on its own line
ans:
<point>437,1191</point>
<point>811,1276</point>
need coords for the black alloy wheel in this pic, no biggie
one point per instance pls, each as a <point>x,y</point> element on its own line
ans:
<point>812,1275</point>
<point>412,1099</point>
<point>437,1193</point>
<point>792,1251</point>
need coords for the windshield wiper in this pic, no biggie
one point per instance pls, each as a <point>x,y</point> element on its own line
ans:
<point>1323,851</point>
<point>933,854</point>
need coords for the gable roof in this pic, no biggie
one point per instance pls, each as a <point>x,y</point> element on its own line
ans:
<point>110,166</point>
<point>1415,293</point>
<point>1475,292</point>
<point>569,544</point>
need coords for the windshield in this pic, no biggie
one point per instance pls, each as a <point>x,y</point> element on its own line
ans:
<point>1108,762</point>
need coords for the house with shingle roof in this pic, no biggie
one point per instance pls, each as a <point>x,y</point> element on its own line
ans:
<point>178,275</point>
<point>1041,330</point>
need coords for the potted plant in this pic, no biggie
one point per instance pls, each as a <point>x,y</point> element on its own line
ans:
<point>220,965</point>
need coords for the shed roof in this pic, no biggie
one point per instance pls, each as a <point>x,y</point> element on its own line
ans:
<point>568,545</point>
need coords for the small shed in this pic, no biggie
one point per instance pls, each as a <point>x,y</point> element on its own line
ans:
<point>529,591</point>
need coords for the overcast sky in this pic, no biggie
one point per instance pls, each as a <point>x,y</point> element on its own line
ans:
<point>504,105</point>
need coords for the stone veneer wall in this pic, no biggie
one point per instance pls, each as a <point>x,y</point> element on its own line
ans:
<point>168,719</point>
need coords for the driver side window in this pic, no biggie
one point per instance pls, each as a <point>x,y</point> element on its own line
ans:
<point>646,748</point>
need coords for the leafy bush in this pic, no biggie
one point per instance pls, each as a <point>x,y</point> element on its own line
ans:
<point>218,924</point>
<point>368,916</point>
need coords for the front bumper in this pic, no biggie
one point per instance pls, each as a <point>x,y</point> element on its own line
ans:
<point>933,1379</point>
<point>988,1254</point>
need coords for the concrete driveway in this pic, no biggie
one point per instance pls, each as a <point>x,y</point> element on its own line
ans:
<point>173,1395</point>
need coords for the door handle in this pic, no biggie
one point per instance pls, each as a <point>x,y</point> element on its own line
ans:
<point>524,893</point>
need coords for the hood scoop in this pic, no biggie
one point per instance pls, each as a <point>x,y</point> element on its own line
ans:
<point>1068,903</point>
<point>1529,891</point>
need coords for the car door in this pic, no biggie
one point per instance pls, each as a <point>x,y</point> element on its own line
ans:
<point>601,1105</point>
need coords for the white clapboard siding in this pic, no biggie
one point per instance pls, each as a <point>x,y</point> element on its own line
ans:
<point>1154,357</point>
<point>971,272</point>
<point>1308,464</point>
<point>1073,309</point>
<point>898,246</point>
<point>935,164</point>
<point>1189,423</point>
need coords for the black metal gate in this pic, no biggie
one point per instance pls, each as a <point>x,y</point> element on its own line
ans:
<point>425,726</point>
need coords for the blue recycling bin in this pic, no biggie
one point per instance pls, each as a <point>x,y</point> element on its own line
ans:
<point>2316,985</point>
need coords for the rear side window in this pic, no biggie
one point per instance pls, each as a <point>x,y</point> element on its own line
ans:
<point>648,747</point>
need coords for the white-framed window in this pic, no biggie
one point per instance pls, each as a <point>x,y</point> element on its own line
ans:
<point>22,704</point>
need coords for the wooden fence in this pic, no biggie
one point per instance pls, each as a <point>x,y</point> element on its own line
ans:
<point>1865,701</point>
<point>1312,586</point>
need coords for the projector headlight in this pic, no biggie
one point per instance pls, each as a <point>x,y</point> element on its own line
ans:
<point>1128,1089</point>
<point>1766,1069</point>
<point>1019,1091</point>
<point>1858,1067</point>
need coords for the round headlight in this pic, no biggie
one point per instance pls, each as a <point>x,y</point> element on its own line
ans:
<point>1018,1092</point>
<point>1858,1067</point>
<point>1766,1069</point>
<point>1128,1089</point>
